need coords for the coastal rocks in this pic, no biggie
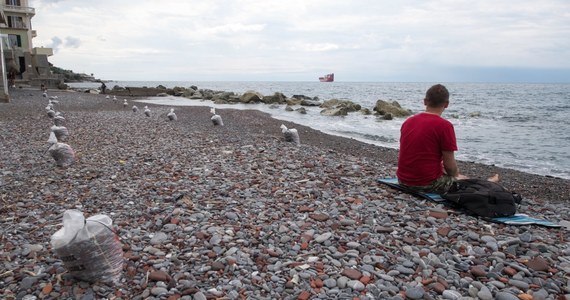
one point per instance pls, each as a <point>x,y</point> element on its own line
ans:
<point>306,102</point>
<point>336,103</point>
<point>183,92</point>
<point>332,107</point>
<point>340,111</point>
<point>251,97</point>
<point>299,99</point>
<point>140,91</point>
<point>276,98</point>
<point>301,110</point>
<point>225,98</point>
<point>383,108</point>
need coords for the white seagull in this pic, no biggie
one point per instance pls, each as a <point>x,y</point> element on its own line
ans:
<point>135,108</point>
<point>291,135</point>
<point>171,115</point>
<point>216,119</point>
<point>147,111</point>
<point>125,103</point>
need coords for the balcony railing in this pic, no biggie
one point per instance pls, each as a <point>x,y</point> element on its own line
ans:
<point>42,51</point>
<point>20,9</point>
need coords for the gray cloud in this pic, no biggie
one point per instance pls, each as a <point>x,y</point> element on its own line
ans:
<point>72,42</point>
<point>55,43</point>
<point>370,40</point>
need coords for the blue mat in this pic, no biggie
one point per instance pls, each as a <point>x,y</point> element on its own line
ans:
<point>393,182</point>
<point>517,219</point>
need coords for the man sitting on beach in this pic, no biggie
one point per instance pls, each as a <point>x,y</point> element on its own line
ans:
<point>427,143</point>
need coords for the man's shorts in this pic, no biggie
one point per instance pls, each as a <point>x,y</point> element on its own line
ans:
<point>439,186</point>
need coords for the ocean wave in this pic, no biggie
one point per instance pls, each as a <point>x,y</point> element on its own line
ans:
<point>370,137</point>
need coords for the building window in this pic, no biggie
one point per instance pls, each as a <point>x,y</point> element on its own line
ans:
<point>15,40</point>
<point>13,2</point>
<point>15,22</point>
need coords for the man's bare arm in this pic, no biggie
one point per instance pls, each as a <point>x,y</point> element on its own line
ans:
<point>449,163</point>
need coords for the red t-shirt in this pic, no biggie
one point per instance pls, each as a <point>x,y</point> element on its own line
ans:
<point>423,137</point>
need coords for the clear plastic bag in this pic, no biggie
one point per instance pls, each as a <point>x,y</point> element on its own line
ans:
<point>216,119</point>
<point>290,135</point>
<point>171,115</point>
<point>58,120</point>
<point>62,153</point>
<point>89,248</point>
<point>61,132</point>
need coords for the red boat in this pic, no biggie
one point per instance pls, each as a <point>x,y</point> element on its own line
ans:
<point>327,78</point>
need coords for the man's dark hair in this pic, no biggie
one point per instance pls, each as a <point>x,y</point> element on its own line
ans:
<point>437,96</point>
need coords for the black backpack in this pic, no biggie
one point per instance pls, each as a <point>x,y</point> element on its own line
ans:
<point>483,198</point>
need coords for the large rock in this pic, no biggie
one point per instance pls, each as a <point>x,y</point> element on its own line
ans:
<point>306,102</point>
<point>222,96</point>
<point>140,91</point>
<point>382,108</point>
<point>251,97</point>
<point>299,99</point>
<point>197,95</point>
<point>277,98</point>
<point>293,101</point>
<point>301,110</point>
<point>337,111</point>
<point>336,103</point>
<point>183,92</point>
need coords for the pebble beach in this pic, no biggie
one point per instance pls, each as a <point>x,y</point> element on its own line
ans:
<point>235,212</point>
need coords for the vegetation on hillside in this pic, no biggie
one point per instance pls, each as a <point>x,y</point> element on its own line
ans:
<point>70,76</point>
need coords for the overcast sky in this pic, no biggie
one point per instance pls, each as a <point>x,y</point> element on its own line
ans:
<point>299,40</point>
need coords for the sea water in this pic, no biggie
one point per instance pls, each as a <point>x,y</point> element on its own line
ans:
<point>518,126</point>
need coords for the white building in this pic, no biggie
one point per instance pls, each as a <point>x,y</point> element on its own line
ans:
<point>23,64</point>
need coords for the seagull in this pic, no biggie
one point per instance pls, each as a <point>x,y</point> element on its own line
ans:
<point>291,135</point>
<point>125,103</point>
<point>44,94</point>
<point>147,111</point>
<point>53,97</point>
<point>114,98</point>
<point>171,115</point>
<point>107,97</point>
<point>135,108</point>
<point>216,119</point>
<point>62,153</point>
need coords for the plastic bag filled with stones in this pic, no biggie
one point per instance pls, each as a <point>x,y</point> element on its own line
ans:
<point>290,135</point>
<point>61,132</point>
<point>58,120</point>
<point>63,154</point>
<point>89,248</point>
